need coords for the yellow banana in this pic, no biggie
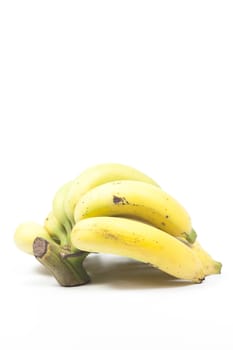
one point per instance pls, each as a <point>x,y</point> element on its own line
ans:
<point>210,266</point>
<point>138,200</point>
<point>55,230</point>
<point>98,175</point>
<point>26,233</point>
<point>140,241</point>
<point>58,206</point>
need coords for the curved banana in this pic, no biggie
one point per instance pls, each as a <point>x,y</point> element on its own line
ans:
<point>140,241</point>
<point>55,230</point>
<point>58,206</point>
<point>98,175</point>
<point>26,233</point>
<point>140,201</point>
<point>210,266</point>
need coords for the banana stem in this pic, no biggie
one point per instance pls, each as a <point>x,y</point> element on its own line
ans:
<point>65,266</point>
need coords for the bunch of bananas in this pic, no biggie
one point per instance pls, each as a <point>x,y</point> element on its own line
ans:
<point>113,208</point>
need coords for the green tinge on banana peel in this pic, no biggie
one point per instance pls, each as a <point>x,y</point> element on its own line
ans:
<point>55,229</point>
<point>58,206</point>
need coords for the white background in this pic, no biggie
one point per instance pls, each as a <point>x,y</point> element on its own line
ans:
<point>144,83</point>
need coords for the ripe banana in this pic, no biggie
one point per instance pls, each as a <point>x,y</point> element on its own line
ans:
<point>140,241</point>
<point>55,230</point>
<point>138,200</point>
<point>26,233</point>
<point>58,206</point>
<point>98,175</point>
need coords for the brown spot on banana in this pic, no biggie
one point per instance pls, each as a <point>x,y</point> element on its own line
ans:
<point>119,200</point>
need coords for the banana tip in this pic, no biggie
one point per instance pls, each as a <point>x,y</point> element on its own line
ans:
<point>191,237</point>
<point>218,267</point>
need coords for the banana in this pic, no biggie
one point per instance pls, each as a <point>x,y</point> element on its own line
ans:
<point>98,175</point>
<point>58,206</point>
<point>210,266</point>
<point>26,233</point>
<point>138,200</point>
<point>140,241</point>
<point>55,230</point>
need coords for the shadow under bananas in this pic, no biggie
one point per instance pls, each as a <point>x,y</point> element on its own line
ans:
<point>124,273</point>
<point>41,270</point>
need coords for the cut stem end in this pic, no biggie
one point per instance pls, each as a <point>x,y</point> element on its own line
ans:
<point>65,266</point>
